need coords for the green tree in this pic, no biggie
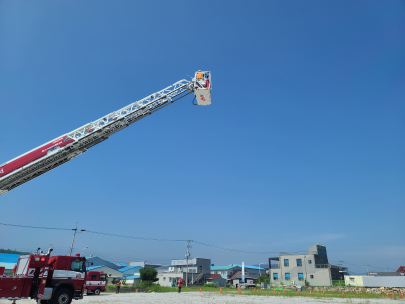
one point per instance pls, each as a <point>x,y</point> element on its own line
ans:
<point>148,274</point>
<point>13,251</point>
<point>263,278</point>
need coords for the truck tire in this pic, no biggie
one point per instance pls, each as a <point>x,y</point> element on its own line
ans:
<point>63,296</point>
<point>97,292</point>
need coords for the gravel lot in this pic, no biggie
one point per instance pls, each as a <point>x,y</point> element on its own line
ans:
<point>207,298</point>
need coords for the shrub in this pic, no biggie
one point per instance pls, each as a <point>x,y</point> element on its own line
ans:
<point>211,285</point>
<point>148,274</point>
<point>263,278</point>
<point>146,285</point>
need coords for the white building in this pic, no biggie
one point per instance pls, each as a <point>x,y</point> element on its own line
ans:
<point>132,280</point>
<point>197,271</point>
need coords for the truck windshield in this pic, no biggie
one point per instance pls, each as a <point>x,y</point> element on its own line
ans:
<point>77,266</point>
<point>102,277</point>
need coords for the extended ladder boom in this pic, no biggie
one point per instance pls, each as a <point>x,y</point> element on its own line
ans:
<point>65,148</point>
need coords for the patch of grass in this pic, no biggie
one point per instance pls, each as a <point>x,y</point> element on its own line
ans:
<point>315,294</point>
<point>270,292</point>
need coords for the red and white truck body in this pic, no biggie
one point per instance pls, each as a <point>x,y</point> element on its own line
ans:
<point>57,279</point>
<point>95,282</point>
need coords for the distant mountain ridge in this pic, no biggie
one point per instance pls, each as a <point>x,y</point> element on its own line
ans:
<point>13,251</point>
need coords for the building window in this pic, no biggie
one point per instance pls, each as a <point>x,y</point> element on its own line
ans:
<point>275,276</point>
<point>216,272</point>
<point>351,279</point>
<point>299,262</point>
<point>300,277</point>
<point>287,276</point>
<point>200,268</point>
<point>311,276</point>
<point>286,262</point>
<point>164,278</point>
<point>309,261</point>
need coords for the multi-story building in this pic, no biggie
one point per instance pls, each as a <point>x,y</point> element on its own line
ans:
<point>197,272</point>
<point>305,268</point>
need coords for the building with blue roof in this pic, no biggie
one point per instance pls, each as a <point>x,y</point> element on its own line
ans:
<point>229,271</point>
<point>8,261</point>
<point>130,270</point>
<point>96,261</point>
<point>133,280</point>
<point>9,258</point>
<point>94,267</point>
<point>111,273</point>
<point>251,267</point>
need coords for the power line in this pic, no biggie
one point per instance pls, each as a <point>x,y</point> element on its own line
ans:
<point>171,240</point>
<point>135,237</point>
<point>143,238</point>
<point>35,227</point>
<point>365,265</point>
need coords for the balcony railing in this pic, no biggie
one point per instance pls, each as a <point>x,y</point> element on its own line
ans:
<point>321,265</point>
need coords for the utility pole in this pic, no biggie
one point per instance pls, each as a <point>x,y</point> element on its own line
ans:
<point>74,234</point>
<point>187,256</point>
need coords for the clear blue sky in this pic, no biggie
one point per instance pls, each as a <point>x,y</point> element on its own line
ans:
<point>303,144</point>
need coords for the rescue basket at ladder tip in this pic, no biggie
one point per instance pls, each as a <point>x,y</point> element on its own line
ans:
<point>202,87</point>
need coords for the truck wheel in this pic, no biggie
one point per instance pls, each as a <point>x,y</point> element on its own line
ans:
<point>63,296</point>
<point>97,292</point>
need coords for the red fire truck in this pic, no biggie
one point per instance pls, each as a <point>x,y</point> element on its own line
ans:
<point>51,280</point>
<point>95,282</point>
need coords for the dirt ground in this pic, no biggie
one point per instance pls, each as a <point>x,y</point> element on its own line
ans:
<point>208,298</point>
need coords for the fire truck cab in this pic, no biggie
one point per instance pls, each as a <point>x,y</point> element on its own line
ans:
<point>95,282</point>
<point>49,280</point>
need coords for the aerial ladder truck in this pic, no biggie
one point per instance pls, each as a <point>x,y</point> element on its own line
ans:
<point>64,148</point>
